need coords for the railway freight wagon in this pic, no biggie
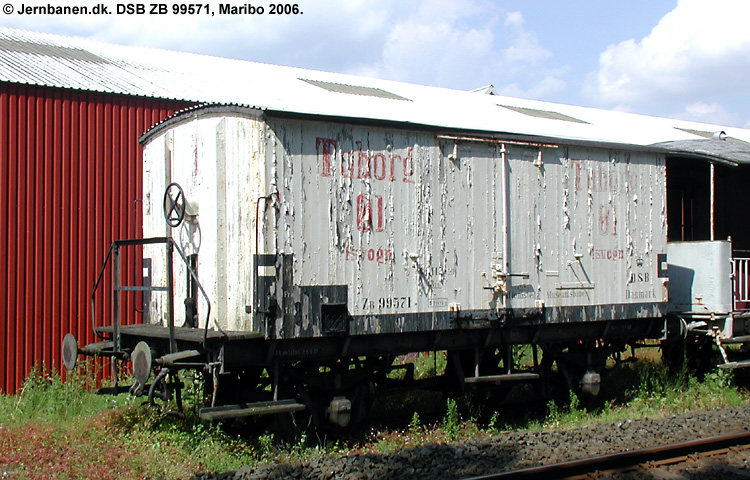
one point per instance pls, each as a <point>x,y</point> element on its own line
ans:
<point>292,258</point>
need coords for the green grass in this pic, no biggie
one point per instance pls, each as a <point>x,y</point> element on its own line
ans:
<point>60,429</point>
<point>653,392</point>
<point>48,400</point>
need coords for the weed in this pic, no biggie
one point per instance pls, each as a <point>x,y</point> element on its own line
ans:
<point>492,426</point>
<point>266,445</point>
<point>452,421</point>
<point>415,423</point>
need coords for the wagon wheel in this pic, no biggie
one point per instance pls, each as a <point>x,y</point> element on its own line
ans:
<point>674,344</point>
<point>174,205</point>
<point>166,383</point>
<point>572,365</point>
<point>545,387</point>
<point>70,352</point>
<point>141,359</point>
<point>292,427</point>
<point>701,356</point>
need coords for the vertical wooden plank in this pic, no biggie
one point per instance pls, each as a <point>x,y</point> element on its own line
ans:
<point>61,285</point>
<point>5,182</point>
<point>23,238</point>
<point>44,269</point>
<point>73,311</point>
<point>127,149</point>
<point>140,124</point>
<point>82,327</point>
<point>12,272</point>
<point>36,226</point>
<point>56,262</point>
<point>92,253</point>
<point>102,186</point>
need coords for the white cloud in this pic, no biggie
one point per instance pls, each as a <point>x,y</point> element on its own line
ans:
<point>460,44</point>
<point>436,42</point>
<point>544,88</point>
<point>524,49</point>
<point>438,54</point>
<point>698,52</point>
<point>465,48</point>
<point>709,113</point>
<point>329,34</point>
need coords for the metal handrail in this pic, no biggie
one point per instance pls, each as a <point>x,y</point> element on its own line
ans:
<point>169,242</point>
<point>741,279</point>
<point>200,287</point>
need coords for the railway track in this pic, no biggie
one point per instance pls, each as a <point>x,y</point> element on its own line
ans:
<point>724,456</point>
<point>478,458</point>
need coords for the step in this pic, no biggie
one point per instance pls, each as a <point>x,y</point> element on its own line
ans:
<point>250,409</point>
<point>733,365</point>
<point>508,377</point>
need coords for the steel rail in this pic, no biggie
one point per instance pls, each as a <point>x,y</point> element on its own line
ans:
<point>622,460</point>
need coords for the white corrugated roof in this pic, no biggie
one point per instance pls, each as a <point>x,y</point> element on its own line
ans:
<point>66,62</point>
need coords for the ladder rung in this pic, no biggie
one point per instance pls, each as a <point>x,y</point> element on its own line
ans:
<point>136,288</point>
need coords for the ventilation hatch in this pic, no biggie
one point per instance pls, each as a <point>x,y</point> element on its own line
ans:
<point>543,114</point>
<point>354,90</point>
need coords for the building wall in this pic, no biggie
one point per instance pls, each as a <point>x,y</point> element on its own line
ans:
<point>70,183</point>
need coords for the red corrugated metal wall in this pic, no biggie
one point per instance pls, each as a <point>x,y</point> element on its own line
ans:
<point>70,183</point>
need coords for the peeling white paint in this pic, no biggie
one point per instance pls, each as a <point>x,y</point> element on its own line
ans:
<point>387,213</point>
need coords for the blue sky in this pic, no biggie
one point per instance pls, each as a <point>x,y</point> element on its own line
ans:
<point>686,59</point>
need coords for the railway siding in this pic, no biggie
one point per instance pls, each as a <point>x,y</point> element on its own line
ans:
<point>507,451</point>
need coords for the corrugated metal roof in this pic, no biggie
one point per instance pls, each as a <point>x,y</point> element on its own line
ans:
<point>729,151</point>
<point>66,62</point>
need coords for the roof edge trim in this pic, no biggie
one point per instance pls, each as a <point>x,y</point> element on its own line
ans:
<point>209,108</point>
<point>703,156</point>
<point>486,134</point>
<point>193,112</point>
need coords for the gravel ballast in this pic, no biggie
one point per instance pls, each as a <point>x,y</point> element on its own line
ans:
<point>506,451</point>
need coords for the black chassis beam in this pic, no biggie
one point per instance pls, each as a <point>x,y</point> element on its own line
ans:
<point>236,354</point>
<point>160,346</point>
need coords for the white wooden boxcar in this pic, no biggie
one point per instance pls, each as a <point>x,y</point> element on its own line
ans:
<point>308,227</point>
